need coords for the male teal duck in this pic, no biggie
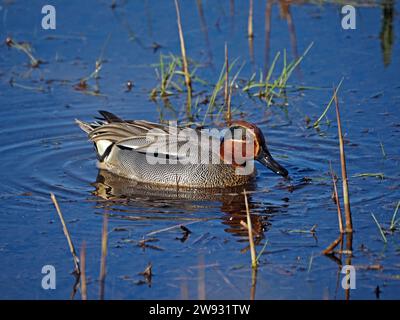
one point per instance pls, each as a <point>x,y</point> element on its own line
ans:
<point>158,154</point>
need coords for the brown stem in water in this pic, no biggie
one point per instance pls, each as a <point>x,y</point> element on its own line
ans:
<point>346,198</point>
<point>333,245</point>
<point>67,235</point>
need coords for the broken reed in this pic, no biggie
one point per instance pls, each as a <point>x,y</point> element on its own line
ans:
<point>346,198</point>
<point>185,67</point>
<point>67,235</point>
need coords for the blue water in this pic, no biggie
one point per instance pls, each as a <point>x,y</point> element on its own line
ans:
<point>43,151</point>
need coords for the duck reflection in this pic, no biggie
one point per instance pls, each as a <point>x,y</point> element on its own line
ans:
<point>125,197</point>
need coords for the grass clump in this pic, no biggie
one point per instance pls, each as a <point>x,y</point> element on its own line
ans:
<point>268,89</point>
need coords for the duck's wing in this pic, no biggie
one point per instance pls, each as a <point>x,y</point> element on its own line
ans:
<point>145,137</point>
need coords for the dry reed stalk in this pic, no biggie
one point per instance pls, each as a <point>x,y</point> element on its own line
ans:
<point>346,198</point>
<point>250,230</point>
<point>67,235</point>
<point>104,239</point>
<point>188,80</point>
<point>250,32</point>
<point>83,272</point>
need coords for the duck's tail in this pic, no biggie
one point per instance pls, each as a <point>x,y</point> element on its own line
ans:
<point>103,147</point>
<point>87,127</point>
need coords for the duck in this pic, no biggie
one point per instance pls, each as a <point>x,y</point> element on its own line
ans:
<point>175,156</point>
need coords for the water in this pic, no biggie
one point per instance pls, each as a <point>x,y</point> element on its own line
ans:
<point>43,151</point>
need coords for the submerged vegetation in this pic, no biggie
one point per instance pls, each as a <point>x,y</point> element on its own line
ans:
<point>26,49</point>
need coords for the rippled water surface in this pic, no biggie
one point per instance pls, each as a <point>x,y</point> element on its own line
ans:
<point>43,151</point>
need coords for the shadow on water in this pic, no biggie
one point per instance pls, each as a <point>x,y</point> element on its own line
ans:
<point>124,197</point>
<point>285,13</point>
<point>386,34</point>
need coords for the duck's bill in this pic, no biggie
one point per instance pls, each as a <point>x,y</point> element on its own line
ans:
<point>266,159</point>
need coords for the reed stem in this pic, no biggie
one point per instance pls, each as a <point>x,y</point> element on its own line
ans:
<point>67,235</point>
<point>346,197</point>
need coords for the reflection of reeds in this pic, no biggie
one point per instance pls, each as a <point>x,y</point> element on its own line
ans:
<point>67,235</point>
<point>250,32</point>
<point>185,67</point>
<point>387,35</point>
<point>204,29</point>
<point>268,11</point>
<point>337,201</point>
<point>83,272</point>
<point>232,14</point>
<point>201,289</point>
<point>104,238</point>
<point>285,13</point>
<point>349,250</point>
<point>250,231</point>
<point>253,283</point>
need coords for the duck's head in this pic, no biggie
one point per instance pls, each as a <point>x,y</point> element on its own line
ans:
<point>245,141</point>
